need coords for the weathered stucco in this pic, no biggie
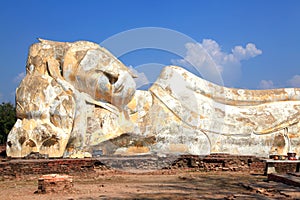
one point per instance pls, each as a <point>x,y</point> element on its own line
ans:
<point>78,100</point>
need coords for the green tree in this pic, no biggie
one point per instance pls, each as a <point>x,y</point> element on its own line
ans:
<point>7,120</point>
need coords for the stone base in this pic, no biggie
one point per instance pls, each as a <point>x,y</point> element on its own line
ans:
<point>54,183</point>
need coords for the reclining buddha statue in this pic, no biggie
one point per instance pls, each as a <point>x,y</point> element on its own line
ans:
<point>77,99</point>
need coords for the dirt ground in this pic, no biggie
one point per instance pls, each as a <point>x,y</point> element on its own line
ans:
<point>154,185</point>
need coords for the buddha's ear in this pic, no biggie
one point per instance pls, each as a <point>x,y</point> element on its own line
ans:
<point>53,68</point>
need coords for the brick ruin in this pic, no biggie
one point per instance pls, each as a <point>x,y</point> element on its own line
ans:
<point>14,168</point>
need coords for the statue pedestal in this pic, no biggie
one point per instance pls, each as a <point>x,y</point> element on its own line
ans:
<point>54,183</point>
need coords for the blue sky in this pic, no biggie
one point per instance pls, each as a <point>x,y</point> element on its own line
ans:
<point>253,44</point>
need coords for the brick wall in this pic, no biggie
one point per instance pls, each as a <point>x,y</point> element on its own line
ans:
<point>214,162</point>
<point>19,167</point>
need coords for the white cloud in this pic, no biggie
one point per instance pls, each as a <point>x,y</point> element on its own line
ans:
<point>250,51</point>
<point>19,77</point>
<point>209,59</point>
<point>141,79</point>
<point>295,81</point>
<point>266,84</point>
